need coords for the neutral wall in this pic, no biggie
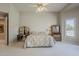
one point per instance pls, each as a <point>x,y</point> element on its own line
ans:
<point>4,7</point>
<point>38,22</point>
<point>13,23</point>
<point>74,12</point>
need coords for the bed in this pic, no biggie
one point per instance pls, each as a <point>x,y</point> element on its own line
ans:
<point>39,39</point>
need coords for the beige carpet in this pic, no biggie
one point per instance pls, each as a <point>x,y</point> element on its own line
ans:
<point>60,49</point>
<point>18,44</point>
<point>2,43</point>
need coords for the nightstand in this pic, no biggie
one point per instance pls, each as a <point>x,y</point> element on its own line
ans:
<point>21,37</point>
<point>57,37</point>
<point>55,32</point>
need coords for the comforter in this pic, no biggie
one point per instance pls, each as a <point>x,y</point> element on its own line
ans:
<point>39,40</point>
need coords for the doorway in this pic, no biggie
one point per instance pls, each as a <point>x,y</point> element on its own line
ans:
<point>69,33</point>
<point>4,33</point>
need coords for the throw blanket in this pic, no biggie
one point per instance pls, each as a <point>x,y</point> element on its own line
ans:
<point>39,40</point>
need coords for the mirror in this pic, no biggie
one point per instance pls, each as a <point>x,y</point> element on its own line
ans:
<point>55,29</point>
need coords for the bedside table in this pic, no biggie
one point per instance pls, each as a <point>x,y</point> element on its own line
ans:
<point>19,37</point>
<point>57,37</point>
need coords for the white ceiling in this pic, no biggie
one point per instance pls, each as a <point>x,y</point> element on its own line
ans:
<point>29,7</point>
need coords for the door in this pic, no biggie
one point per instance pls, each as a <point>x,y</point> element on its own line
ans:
<point>4,28</point>
<point>70,29</point>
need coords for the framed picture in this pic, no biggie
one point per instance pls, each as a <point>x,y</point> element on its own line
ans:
<point>55,29</point>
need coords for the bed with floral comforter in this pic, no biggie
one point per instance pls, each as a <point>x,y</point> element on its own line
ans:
<point>39,40</point>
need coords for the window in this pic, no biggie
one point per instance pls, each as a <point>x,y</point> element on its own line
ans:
<point>70,27</point>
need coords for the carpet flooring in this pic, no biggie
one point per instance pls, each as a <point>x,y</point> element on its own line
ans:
<point>59,49</point>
